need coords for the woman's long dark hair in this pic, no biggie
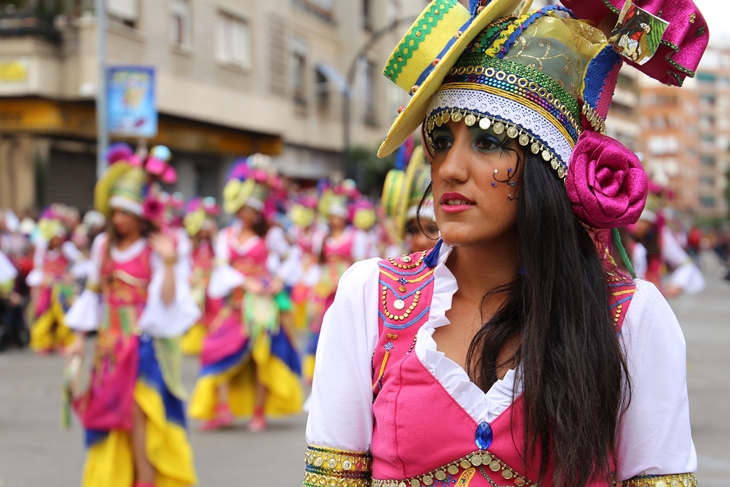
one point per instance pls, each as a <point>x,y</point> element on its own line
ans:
<point>573,371</point>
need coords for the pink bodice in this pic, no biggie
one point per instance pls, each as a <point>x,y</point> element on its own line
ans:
<point>305,240</point>
<point>126,283</point>
<point>203,259</point>
<point>251,261</point>
<point>421,433</point>
<point>55,265</point>
<point>340,250</point>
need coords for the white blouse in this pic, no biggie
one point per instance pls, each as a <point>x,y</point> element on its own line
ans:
<point>654,434</point>
<point>225,278</point>
<point>8,272</point>
<point>157,319</point>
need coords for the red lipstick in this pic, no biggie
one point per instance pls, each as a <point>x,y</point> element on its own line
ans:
<point>454,202</point>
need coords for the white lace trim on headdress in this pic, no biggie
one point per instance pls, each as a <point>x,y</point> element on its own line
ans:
<point>510,111</point>
<point>122,203</point>
<point>255,203</point>
<point>426,212</point>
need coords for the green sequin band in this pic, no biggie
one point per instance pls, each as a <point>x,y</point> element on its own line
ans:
<point>428,19</point>
<point>476,60</point>
<point>337,468</point>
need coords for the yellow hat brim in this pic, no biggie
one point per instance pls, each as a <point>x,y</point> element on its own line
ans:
<point>413,165</point>
<point>103,188</point>
<point>415,112</point>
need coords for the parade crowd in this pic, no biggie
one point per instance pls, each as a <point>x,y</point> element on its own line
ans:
<point>152,276</point>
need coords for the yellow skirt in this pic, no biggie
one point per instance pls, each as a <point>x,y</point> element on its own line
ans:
<point>49,331</point>
<point>110,463</point>
<point>192,341</point>
<point>273,370</point>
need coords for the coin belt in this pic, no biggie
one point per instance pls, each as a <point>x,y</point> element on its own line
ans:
<point>474,459</point>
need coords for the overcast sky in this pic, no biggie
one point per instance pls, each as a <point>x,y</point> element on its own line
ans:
<point>717,14</point>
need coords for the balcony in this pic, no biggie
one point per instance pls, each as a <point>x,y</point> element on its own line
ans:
<point>27,23</point>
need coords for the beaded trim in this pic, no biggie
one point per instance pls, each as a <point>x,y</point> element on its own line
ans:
<point>336,468</point>
<point>451,472</point>
<point>129,279</point>
<point>470,117</point>
<point>406,259</point>
<point>672,480</point>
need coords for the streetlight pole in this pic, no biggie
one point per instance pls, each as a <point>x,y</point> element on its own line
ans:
<point>347,93</point>
<point>102,135</point>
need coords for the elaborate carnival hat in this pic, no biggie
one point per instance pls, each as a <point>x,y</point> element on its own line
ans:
<point>250,181</point>
<point>337,197</point>
<point>198,213</point>
<point>124,186</point>
<point>51,222</point>
<point>304,210</point>
<point>405,186</point>
<point>545,79</point>
<point>156,163</point>
<point>362,213</point>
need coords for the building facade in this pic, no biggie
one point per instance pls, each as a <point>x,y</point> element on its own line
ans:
<point>670,144</point>
<point>712,85</point>
<point>297,79</point>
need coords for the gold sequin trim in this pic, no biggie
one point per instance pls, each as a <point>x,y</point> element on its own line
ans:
<point>336,468</point>
<point>456,468</point>
<point>672,480</point>
<point>485,122</point>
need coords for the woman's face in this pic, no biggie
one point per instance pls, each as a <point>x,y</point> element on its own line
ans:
<point>337,222</point>
<point>125,223</point>
<point>476,177</point>
<point>248,216</point>
<point>423,237</point>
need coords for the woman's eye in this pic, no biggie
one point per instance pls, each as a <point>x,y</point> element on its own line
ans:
<point>487,144</point>
<point>442,143</point>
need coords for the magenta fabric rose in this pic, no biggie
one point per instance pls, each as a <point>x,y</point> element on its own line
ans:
<point>606,183</point>
<point>152,209</point>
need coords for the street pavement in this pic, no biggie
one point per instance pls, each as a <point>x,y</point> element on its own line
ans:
<point>34,452</point>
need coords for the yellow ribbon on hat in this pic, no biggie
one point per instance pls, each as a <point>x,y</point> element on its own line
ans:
<point>236,193</point>
<point>193,221</point>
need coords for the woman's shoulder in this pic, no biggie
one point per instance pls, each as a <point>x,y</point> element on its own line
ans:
<point>651,320</point>
<point>360,275</point>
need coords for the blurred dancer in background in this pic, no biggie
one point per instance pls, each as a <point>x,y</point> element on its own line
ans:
<point>138,301</point>
<point>202,228</point>
<point>249,367</point>
<point>51,283</point>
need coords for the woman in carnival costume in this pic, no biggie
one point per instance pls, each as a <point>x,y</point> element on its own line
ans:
<point>138,301</point>
<point>200,224</point>
<point>248,364</point>
<point>51,283</point>
<point>304,232</point>
<point>655,248</point>
<point>513,353</point>
<point>339,247</point>
<point>405,200</point>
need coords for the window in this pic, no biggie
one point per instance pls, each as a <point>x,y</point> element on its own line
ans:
<point>369,77</point>
<point>234,41</point>
<point>323,88</point>
<point>706,77</point>
<point>367,15</point>
<point>707,201</point>
<point>708,181</point>
<point>124,11</point>
<point>180,23</point>
<point>299,70</point>
<point>663,145</point>
<point>708,161</point>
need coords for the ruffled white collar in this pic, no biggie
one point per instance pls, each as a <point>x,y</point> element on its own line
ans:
<point>130,252</point>
<point>480,406</point>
